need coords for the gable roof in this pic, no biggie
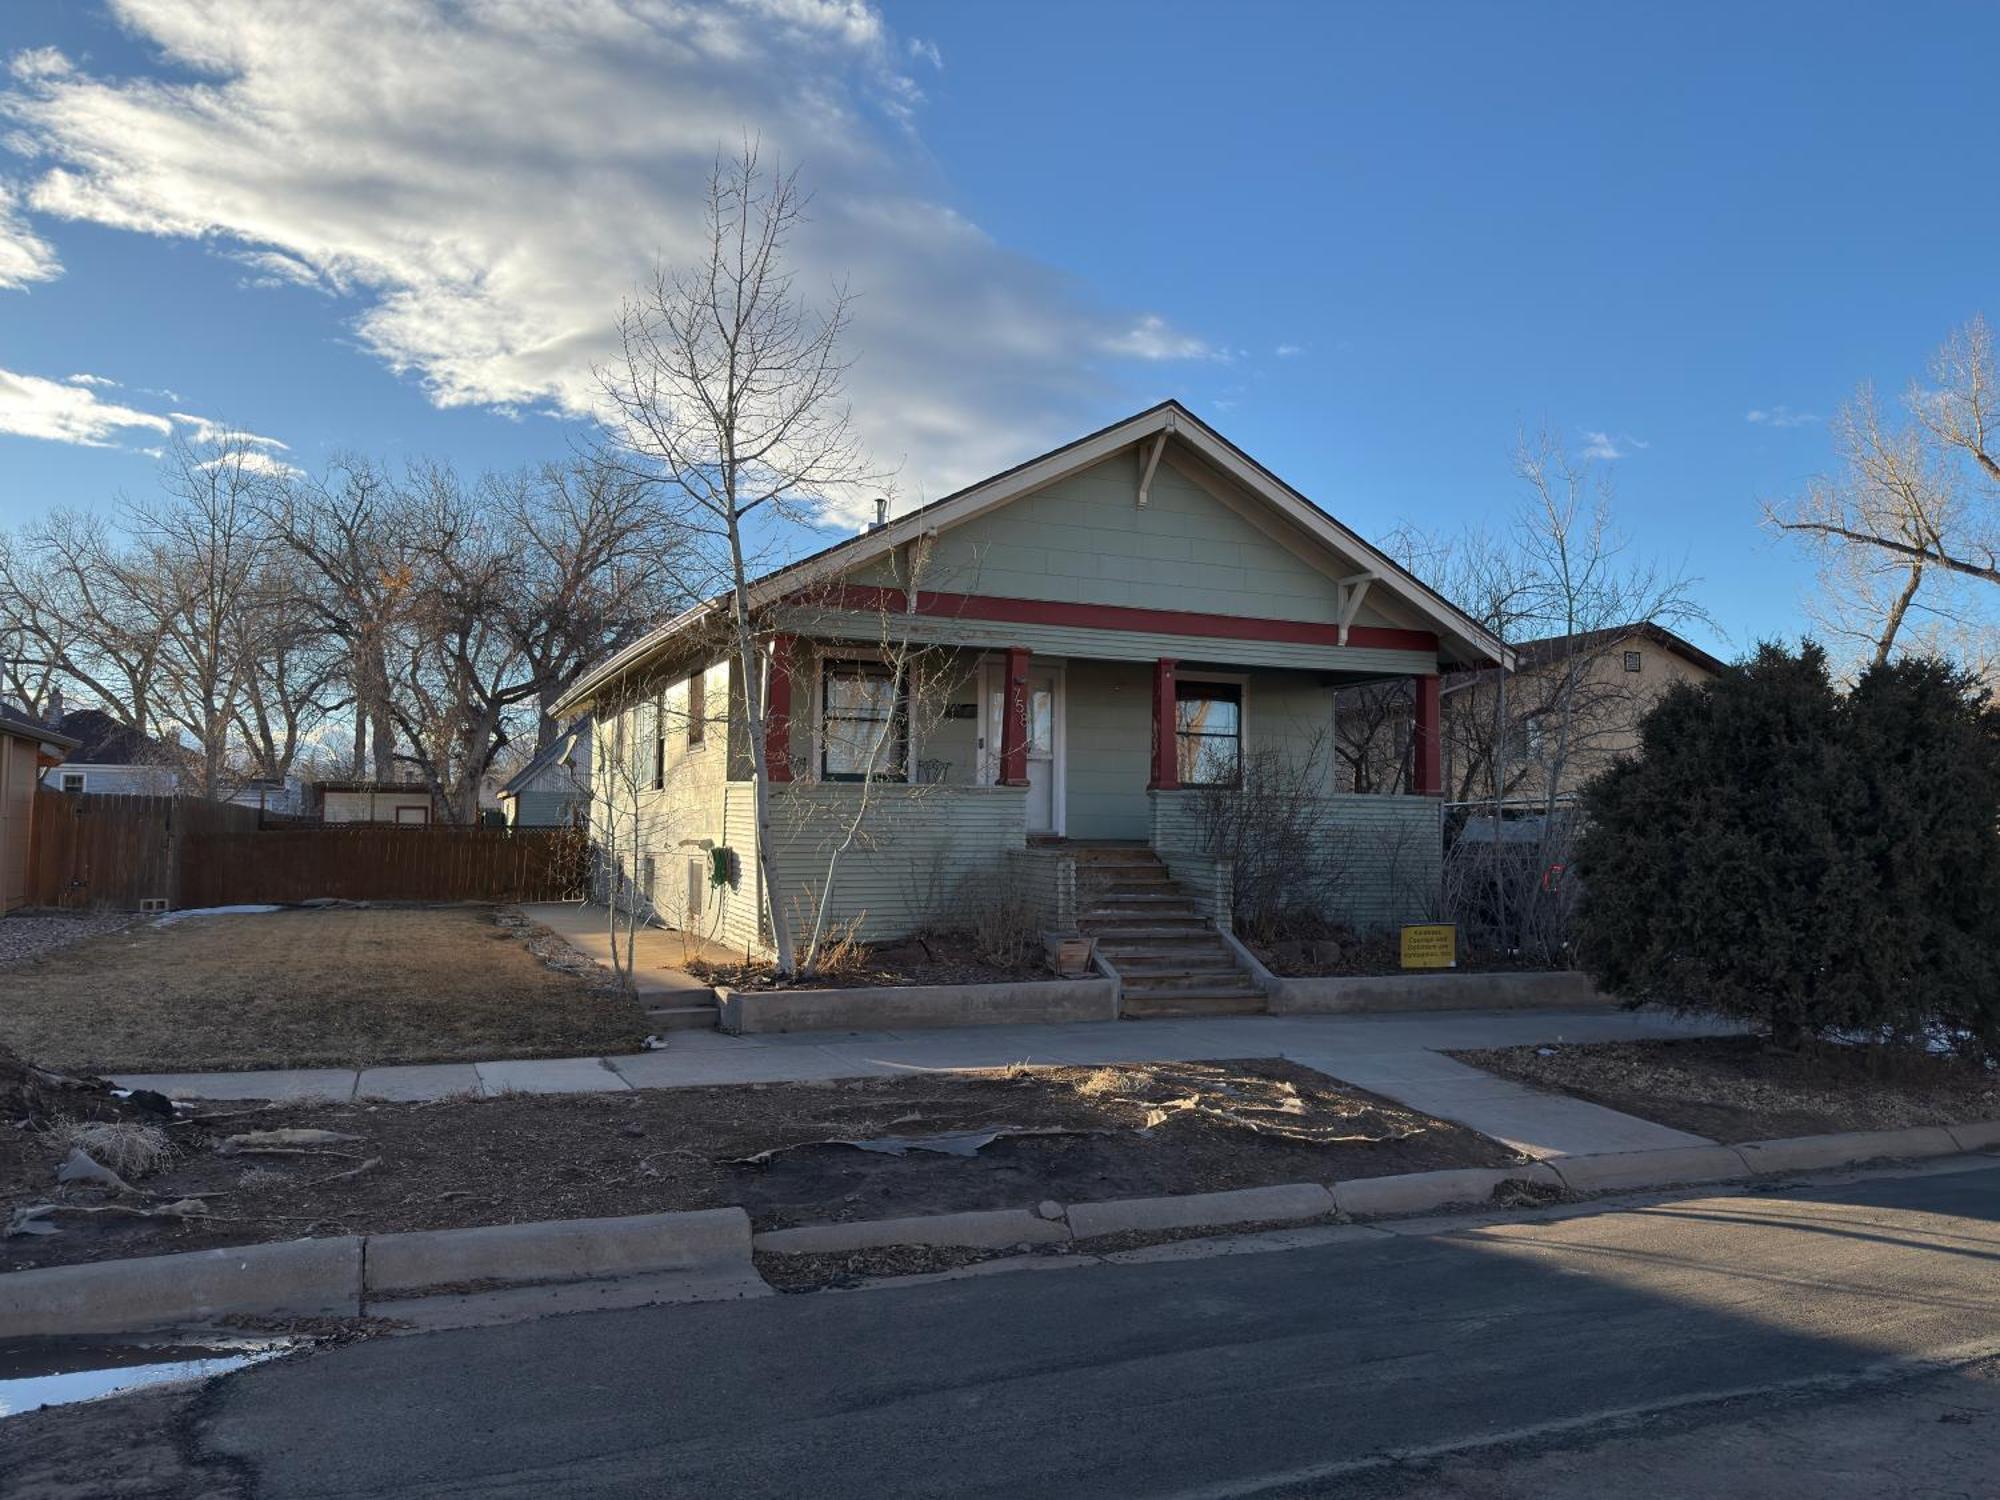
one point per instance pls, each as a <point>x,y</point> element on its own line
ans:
<point>554,753</point>
<point>1555,648</point>
<point>1462,640</point>
<point>104,741</point>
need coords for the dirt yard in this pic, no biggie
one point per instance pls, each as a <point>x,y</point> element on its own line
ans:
<point>340,986</point>
<point>1071,1134</point>
<point>1739,1089</point>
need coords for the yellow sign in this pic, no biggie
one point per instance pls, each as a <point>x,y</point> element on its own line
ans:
<point>1433,945</point>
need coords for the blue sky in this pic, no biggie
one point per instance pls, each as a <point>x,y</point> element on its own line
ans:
<point>1371,243</point>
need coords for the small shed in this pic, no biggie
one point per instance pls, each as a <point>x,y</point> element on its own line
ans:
<point>553,789</point>
<point>25,748</point>
<point>376,802</point>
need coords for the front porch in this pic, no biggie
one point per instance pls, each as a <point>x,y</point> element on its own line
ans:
<point>1012,765</point>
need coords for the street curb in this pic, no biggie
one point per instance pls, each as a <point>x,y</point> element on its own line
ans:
<point>988,1229</point>
<point>1664,1167</point>
<point>1420,1192</point>
<point>290,1278</point>
<point>1981,1135</point>
<point>1256,1205</point>
<point>354,1275</point>
<point>556,1250</point>
<point>1808,1153</point>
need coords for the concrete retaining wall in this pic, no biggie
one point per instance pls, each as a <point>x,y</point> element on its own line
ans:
<point>890,1007</point>
<point>1558,990</point>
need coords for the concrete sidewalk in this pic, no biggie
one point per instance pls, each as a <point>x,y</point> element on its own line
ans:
<point>1396,1056</point>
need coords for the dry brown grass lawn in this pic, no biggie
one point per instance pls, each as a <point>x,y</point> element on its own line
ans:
<point>342,987</point>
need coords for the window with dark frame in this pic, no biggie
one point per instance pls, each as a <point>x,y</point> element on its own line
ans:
<point>864,723</point>
<point>659,747</point>
<point>1208,732</point>
<point>1631,661</point>
<point>697,709</point>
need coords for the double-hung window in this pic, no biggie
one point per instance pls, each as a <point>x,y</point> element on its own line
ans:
<point>1208,732</point>
<point>864,723</point>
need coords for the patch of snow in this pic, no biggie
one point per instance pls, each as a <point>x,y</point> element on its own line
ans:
<point>212,911</point>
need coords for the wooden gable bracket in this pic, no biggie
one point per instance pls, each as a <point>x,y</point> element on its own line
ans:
<point>1353,590</point>
<point>1152,463</point>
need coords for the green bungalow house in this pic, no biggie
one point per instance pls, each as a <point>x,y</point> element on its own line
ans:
<point>1043,678</point>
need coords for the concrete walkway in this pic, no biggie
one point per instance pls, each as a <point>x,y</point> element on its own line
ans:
<point>1396,1056</point>
<point>657,952</point>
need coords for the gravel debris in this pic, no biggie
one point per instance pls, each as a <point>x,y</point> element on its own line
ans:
<point>24,936</point>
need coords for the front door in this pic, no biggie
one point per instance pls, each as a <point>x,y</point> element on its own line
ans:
<point>1045,741</point>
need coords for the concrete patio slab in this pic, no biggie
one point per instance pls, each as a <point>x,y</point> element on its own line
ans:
<point>552,1075</point>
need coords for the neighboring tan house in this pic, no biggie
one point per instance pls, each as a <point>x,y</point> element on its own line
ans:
<point>1609,681</point>
<point>27,748</point>
<point>1569,708</point>
<point>553,789</point>
<point>1110,630</point>
<point>112,759</point>
<point>374,802</point>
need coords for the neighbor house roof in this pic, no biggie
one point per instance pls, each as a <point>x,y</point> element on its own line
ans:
<point>554,753</point>
<point>105,741</point>
<point>1555,648</point>
<point>1464,639</point>
<point>33,729</point>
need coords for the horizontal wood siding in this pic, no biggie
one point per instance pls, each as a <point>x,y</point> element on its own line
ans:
<point>921,853</point>
<point>1392,847</point>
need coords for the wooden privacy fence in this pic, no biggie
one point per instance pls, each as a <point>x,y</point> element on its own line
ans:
<point>120,852</point>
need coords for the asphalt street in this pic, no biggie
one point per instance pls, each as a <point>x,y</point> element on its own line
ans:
<point>1311,1371</point>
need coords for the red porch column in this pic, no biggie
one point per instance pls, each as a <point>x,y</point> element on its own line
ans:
<point>778,711</point>
<point>1014,720</point>
<point>1166,762</point>
<point>1428,739</point>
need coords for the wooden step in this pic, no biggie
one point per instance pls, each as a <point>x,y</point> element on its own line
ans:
<point>1189,984</point>
<point>1154,929</point>
<point>1176,967</point>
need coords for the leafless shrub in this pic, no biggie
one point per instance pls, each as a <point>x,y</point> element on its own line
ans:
<point>1508,884</point>
<point>127,1148</point>
<point>1288,868</point>
<point>1005,912</point>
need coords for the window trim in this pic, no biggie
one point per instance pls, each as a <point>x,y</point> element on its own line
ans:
<point>1241,683</point>
<point>82,781</point>
<point>874,665</point>
<point>659,777</point>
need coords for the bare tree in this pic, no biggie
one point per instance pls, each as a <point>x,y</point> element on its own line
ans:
<point>1907,527</point>
<point>727,397</point>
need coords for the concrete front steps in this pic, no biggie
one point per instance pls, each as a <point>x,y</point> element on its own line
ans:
<point>1169,958</point>
<point>679,1017</point>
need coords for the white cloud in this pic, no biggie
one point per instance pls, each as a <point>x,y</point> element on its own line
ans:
<point>504,173</point>
<point>25,256</point>
<point>1289,351</point>
<point>253,462</point>
<point>1608,447</point>
<point>33,407</point>
<point>1153,338</point>
<point>1780,416</point>
<point>202,432</point>
<point>101,382</point>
